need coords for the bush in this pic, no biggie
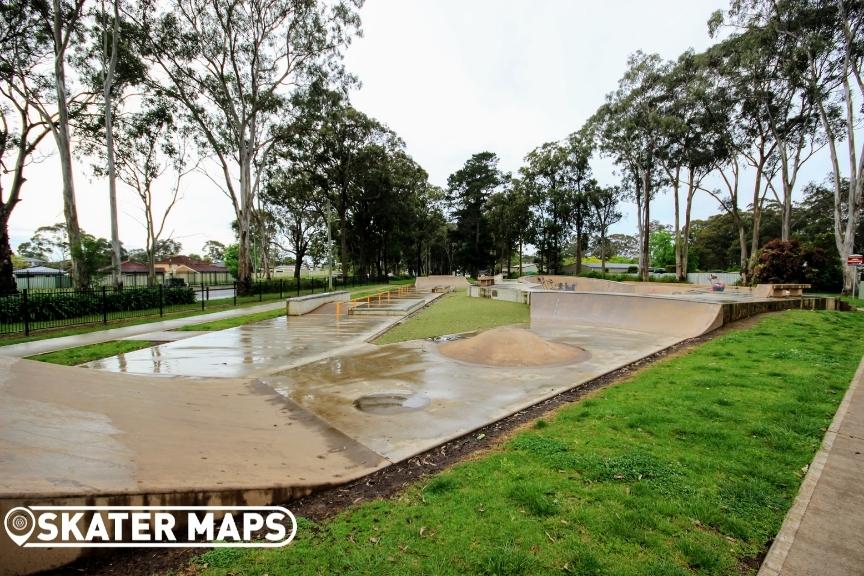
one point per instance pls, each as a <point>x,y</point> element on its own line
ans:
<point>793,263</point>
<point>50,306</point>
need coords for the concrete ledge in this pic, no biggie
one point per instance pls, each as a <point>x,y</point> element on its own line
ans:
<point>300,305</point>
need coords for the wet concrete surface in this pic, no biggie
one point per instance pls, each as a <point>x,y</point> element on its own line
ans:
<point>65,430</point>
<point>461,396</point>
<point>247,350</point>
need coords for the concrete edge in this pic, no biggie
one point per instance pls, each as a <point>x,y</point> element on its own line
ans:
<point>773,563</point>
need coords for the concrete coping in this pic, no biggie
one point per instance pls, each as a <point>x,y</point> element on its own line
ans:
<point>318,296</point>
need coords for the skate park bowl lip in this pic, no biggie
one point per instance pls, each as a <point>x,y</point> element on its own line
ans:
<point>430,282</point>
<point>583,284</point>
<point>676,317</point>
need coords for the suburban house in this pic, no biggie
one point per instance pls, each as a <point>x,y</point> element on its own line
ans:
<point>189,270</point>
<point>41,277</point>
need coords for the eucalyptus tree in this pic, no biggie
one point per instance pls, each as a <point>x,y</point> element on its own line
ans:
<point>56,26</point>
<point>604,204</point>
<point>21,127</point>
<point>694,139</point>
<point>153,154</point>
<point>824,39</point>
<point>331,142</point>
<point>558,177</point>
<point>468,192</point>
<point>739,65</point>
<point>107,63</point>
<point>289,197</point>
<point>628,129</point>
<point>232,67</point>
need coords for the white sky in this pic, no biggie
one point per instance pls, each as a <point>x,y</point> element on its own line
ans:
<point>452,78</point>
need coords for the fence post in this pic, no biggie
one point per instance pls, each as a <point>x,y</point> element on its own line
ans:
<point>25,312</point>
<point>104,306</point>
<point>202,296</point>
<point>161,302</point>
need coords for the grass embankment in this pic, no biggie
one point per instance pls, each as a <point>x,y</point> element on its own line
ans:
<point>82,354</point>
<point>687,467</point>
<point>454,313</point>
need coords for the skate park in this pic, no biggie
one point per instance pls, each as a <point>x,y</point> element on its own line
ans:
<point>277,409</point>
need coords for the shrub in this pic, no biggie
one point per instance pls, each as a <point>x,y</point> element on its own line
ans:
<point>62,305</point>
<point>791,262</point>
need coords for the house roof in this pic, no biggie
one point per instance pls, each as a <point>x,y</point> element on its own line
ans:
<point>131,266</point>
<point>196,265</point>
<point>38,271</point>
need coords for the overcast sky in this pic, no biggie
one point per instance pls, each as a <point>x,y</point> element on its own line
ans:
<point>452,78</point>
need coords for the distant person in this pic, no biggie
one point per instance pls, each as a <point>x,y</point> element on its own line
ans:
<point>717,285</point>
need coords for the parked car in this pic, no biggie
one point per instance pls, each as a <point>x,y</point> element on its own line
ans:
<point>175,283</point>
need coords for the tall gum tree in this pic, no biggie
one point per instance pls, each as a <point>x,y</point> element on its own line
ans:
<point>21,126</point>
<point>826,38</point>
<point>627,128</point>
<point>232,65</point>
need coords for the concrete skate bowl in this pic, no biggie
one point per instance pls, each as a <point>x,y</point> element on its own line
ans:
<point>429,283</point>
<point>677,318</point>
<point>581,284</point>
<point>512,347</point>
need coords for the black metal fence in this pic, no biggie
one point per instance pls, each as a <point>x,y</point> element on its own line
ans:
<point>27,311</point>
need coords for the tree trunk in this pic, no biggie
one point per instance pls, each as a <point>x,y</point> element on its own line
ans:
<point>7,276</point>
<point>646,227</point>
<point>757,218</point>
<point>602,249</point>
<point>108,85</point>
<point>64,150</point>
<point>680,265</point>
<point>520,258</point>
<point>579,250</point>
<point>685,234</point>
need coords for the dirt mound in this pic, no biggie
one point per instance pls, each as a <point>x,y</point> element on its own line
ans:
<point>512,347</point>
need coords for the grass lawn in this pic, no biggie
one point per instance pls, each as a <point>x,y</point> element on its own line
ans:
<point>454,313</point>
<point>81,354</point>
<point>236,321</point>
<point>687,467</point>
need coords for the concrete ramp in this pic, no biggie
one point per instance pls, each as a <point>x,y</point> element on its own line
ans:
<point>426,283</point>
<point>639,313</point>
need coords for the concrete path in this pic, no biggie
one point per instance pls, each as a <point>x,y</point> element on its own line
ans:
<point>126,332</point>
<point>823,533</point>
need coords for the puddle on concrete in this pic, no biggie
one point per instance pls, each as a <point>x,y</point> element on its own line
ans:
<point>451,337</point>
<point>389,403</point>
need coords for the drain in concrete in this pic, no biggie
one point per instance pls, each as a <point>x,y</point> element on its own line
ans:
<point>388,403</point>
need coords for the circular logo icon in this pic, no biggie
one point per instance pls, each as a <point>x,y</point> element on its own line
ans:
<point>19,523</point>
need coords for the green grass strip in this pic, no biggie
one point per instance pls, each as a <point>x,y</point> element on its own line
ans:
<point>688,467</point>
<point>455,313</point>
<point>235,321</point>
<point>82,354</point>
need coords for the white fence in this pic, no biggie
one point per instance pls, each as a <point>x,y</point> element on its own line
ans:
<point>728,278</point>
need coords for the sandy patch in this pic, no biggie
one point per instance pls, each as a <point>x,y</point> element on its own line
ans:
<point>508,346</point>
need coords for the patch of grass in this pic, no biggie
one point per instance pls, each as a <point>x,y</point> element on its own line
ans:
<point>687,467</point>
<point>82,354</point>
<point>226,323</point>
<point>455,313</point>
